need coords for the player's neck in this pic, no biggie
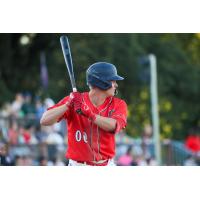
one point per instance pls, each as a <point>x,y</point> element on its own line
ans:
<point>97,97</point>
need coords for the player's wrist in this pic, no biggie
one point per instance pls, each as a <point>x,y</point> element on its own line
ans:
<point>68,103</point>
<point>93,117</point>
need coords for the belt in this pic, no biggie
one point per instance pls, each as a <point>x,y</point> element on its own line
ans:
<point>94,163</point>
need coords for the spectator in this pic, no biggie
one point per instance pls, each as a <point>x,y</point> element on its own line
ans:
<point>57,161</point>
<point>151,161</point>
<point>19,160</point>
<point>197,160</point>
<point>48,102</point>
<point>28,108</point>
<point>5,159</point>
<point>27,160</point>
<point>13,132</point>
<point>27,135</point>
<point>126,159</point>
<point>17,105</point>
<point>55,143</point>
<point>40,134</point>
<point>141,161</point>
<point>190,161</point>
<point>147,142</point>
<point>54,138</point>
<point>6,110</point>
<point>5,113</point>
<point>42,161</point>
<point>193,142</point>
<point>40,108</point>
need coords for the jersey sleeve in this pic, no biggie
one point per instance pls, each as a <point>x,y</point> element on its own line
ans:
<point>120,115</point>
<point>67,114</point>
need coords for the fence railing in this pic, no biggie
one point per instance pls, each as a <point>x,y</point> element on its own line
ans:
<point>173,153</point>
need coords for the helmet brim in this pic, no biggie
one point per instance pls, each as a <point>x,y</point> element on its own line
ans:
<point>116,78</point>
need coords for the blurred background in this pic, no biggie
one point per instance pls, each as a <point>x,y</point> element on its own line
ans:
<point>33,77</point>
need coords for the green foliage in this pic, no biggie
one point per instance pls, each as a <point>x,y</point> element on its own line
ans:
<point>178,72</point>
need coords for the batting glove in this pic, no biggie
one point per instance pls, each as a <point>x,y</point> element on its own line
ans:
<point>77,100</point>
<point>87,112</point>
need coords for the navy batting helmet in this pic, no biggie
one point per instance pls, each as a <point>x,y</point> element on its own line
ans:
<point>101,74</point>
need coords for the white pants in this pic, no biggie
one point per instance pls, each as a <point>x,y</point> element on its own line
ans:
<point>75,163</point>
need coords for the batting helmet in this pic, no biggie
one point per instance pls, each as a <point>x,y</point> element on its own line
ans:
<point>101,74</point>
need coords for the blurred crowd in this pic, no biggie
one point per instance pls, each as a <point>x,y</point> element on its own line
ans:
<point>135,152</point>
<point>23,142</point>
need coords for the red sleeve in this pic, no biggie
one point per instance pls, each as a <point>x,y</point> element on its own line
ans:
<point>120,115</point>
<point>66,115</point>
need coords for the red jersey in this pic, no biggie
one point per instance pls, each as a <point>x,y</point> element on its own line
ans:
<point>86,141</point>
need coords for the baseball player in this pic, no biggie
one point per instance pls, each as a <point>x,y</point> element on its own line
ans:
<point>91,133</point>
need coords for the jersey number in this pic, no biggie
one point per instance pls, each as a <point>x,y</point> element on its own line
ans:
<point>79,136</point>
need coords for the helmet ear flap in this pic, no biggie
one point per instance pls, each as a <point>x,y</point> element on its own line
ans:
<point>102,84</point>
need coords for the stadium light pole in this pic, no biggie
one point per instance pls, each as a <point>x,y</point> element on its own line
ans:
<point>154,107</point>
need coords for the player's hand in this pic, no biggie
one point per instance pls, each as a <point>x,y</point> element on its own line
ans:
<point>76,100</point>
<point>87,112</point>
<point>80,107</point>
<point>69,101</point>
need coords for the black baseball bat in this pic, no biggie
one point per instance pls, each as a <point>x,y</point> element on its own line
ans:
<point>68,60</point>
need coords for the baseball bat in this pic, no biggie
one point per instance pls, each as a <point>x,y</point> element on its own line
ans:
<point>68,61</point>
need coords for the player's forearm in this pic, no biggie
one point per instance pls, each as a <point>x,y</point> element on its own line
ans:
<point>105,123</point>
<point>51,116</point>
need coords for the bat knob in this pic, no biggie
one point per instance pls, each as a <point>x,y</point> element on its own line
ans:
<point>74,89</point>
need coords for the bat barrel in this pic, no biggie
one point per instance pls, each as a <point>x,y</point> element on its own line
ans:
<point>68,60</point>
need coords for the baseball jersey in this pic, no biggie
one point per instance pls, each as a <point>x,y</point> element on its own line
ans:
<point>87,141</point>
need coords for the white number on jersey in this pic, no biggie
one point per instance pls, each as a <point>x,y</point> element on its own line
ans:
<point>79,136</point>
<point>85,137</point>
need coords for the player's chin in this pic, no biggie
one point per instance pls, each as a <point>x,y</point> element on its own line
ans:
<point>112,92</point>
